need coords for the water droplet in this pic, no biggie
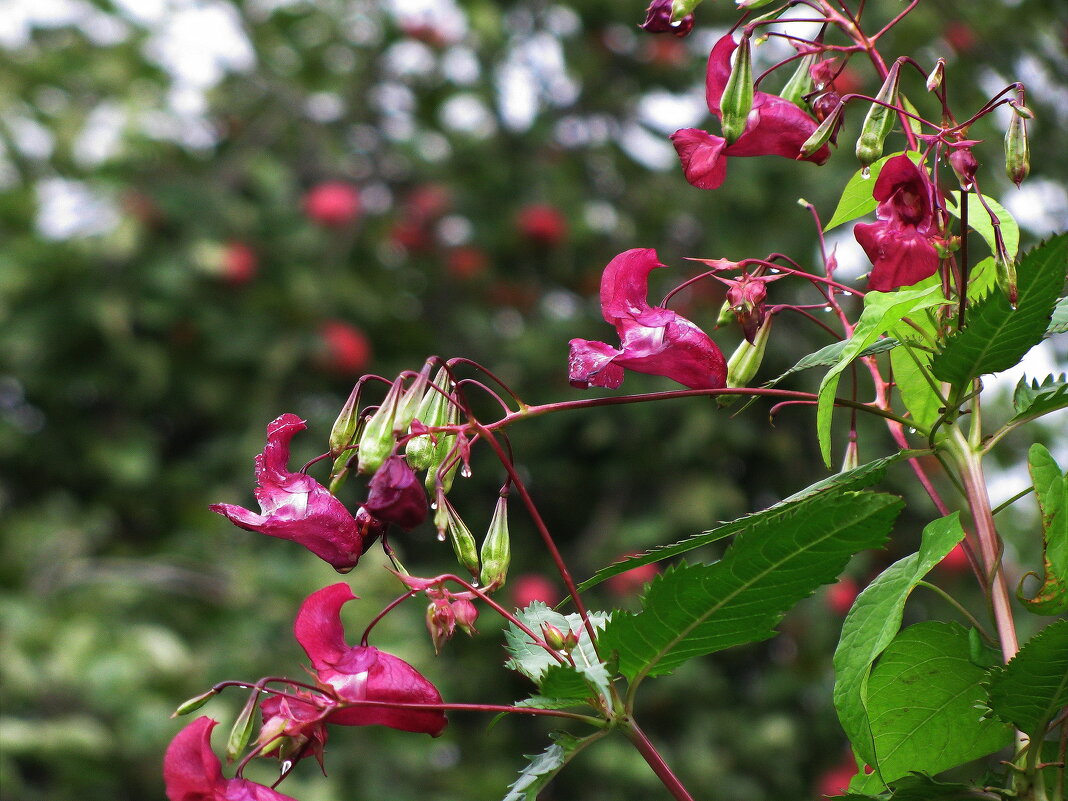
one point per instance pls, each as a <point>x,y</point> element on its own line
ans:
<point>474,582</point>
<point>912,430</point>
<point>465,471</point>
<point>775,271</point>
<point>441,536</point>
<point>845,293</point>
<point>865,173</point>
<point>433,504</point>
<point>828,309</point>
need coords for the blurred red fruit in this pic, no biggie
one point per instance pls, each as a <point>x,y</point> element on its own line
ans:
<point>960,36</point>
<point>427,201</point>
<point>530,587</point>
<point>956,561</point>
<point>347,347</point>
<point>835,781</point>
<point>466,263</point>
<point>239,264</point>
<point>631,582</point>
<point>333,203</point>
<point>840,596</point>
<point>411,236</point>
<point>542,224</point>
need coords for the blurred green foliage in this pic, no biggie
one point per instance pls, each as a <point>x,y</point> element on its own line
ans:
<point>138,371</point>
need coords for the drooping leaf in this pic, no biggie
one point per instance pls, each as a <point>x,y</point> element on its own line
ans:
<point>920,787</point>
<point>1033,399</point>
<point>543,767</point>
<point>553,678</point>
<point>882,310</point>
<point>979,221</point>
<point>857,199</point>
<point>1058,324</point>
<point>924,691</point>
<point>858,478</point>
<point>910,364</point>
<point>1051,489</point>
<point>832,354</point>
<point>692,610</point>
<point>996,336</point>
<point>873,622</point>
<point>1033,687</point>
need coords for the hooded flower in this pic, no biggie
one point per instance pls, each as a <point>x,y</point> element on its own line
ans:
<point>396,495</point>
<point>362,673</point>
<point>293,729</point>
<point>774,127</point>
<point>653,339</point>
<point>192,772</point>
<point>901,243</point>
<point>294,506</point>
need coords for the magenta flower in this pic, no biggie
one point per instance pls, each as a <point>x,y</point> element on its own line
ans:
<point>396,495</point>
<point>294,506</point>
<point>653,339</point>
<point>192,772</point>
<point>293,728</point>
<point>363,673</point>
<point>775,127</point>
<point>901,243</point>
<point>658,20</point>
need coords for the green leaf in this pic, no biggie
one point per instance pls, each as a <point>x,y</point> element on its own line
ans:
<point>873,622</point>
<point>857,199</point>
<point>1034,399</point>
<point>922,698</point>
<point>545,702</point>
<point>832,354</point>
<point>979,221</point>
<point>1033,686</point>
<point>997,336</point>
<point>692,610</point>
<point>858,478</point>
<point>1051,489</point>
<point>589,675</point>
<point>1058,324</point>
<point>543,767</point>
<point>882,310</point>
<point>909,365</point>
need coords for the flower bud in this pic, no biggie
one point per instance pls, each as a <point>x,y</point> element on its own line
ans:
<point>552,635</point>
<point>964,165</point>
<point>465,613</point>
<point>737,99</point>
<point>1005,267</point>
<point>242,729</point>
<point>411,399</point>
<point>880,119</point>
<point>460,537</point>
<point>726,315</point>
<point>440,622</point>
<point>1017,151</point>
<point>800,83</point>
<point>827,130</point>
<point>433,411</point>
<point>938,74</point>
<point>194,703</point>
<point>746,298</point>
<point>443,453</point>
<point>376,439</point>
<point>496,548</point>
<point>347,424</point>
<point>745,361</point>
<point>396,495</point>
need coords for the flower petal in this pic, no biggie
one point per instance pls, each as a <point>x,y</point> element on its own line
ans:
<point>191,770</point>
<point>589,364</point>
<point>625,287</point>
<point>900,255</point>
<point>680,351</point>
<point>318,626</point>
<point>701,154</point>
<point>396,495</point>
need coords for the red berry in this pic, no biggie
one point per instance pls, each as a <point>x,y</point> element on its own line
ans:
<point>347,347</point>
<point>333,203</point>
<point>840,596</point>
<point>542,224</point>
<point>239,264</point>
<point>632,581</point>
<point>530,587</point>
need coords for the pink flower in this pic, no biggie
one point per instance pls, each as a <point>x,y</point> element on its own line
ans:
<point>653,339</point>
<point>363,673</point>
<point>192,772</point>
<point>658,20</point>
<point>542,224</point>
<point>294,506</point>
<point>333,203</point>
<point>530,587</point>
<point>293,729</point>
<point>901,243</point>
<point>775,127</point>
<point>396,495</point>
<point>346,348</point>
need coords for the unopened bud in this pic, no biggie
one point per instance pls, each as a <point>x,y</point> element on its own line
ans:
<point>964,165</point>
<point>553,637</point>
<point>194,703</point>
<point>444,464</point>
<point>1017,151</point>
<point>440,622</point>
<point>411,399</point>
<point>800,83</point>
<point>271,736</point>
<point>1005,267</point>
<point>345,427</point>
<point>377,440</point>
<point>726,315</point>
<point>880,119</point>
<point>823,134</point>
<point>737,99</point>
<point>466,614</point>
<point>242,728</point>
<point>938,74</point>
<point>460,537</point>
<point>851,460</point>
<point>746,297</point>
<point>433,411</point>
<point>496,548</point>
<point>745,361</point>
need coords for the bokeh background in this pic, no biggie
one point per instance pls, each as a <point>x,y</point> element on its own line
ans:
<point>173,275</point>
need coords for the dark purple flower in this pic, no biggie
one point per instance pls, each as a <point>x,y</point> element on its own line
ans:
<point>901,243</point>
<point>658,20</point>
<point>775,127</point>
<point>362,673</point>
<point>293,728</point>
<point>192,772</point>
<point>396,495</point>
<point>653,339</point>
<point>294,506</point>
<point>746,296</point>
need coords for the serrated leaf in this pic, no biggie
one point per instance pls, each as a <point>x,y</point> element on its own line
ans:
<point>1051,489</point>
<point>1058,323</point>
<point>979,221</point>
<point>1033,686</point>
<point>589,675</point>
<point>858,478</point>
<point>832,354</point>
<point>692,610</point>
<point>919,397</point>
<point>924,691</point>
<point>882,310</point>
<point>857,199</point>
<point>543,767</point>
<point>1034,399</point>
<point>996,336</point>
<point>873,622</point>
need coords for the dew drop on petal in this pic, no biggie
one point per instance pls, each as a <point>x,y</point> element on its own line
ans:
<point>441,536</point>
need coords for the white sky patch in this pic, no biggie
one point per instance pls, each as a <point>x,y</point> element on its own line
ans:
<point>33,140</point>
<point>460,66</point>
<point>648,149</point>
<point>533,75</point>
<point>324,107</point>
<point>466,113</point>
<point>852,261</point>
<point>101,137</point>
<point>444,16</point>
<point>68,209</point>
<point>667,112</point>
<point>200,43</point>
<point>1040,205</point>
<point>409,58</point>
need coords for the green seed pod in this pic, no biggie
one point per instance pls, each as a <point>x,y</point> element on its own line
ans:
<point>938,74</point>
<point>345,427</point>
<point>1017,151</point>
<point>496,548</point>
<point>737,99</point>
<point>443,453</point>
<point>377,440</point>
<point>432,411</point>
<point>242,729</point>
<point>194,703</point>
<point>800,83</point>
<point>462,540</point>
<point>880,120</point>
<point>411,399</point>
<point>1005,267</point>
<point>822,135</point>
<point>745,361</point>
<point>726,315</point>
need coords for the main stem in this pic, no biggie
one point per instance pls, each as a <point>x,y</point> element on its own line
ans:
<point>656,762</point>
